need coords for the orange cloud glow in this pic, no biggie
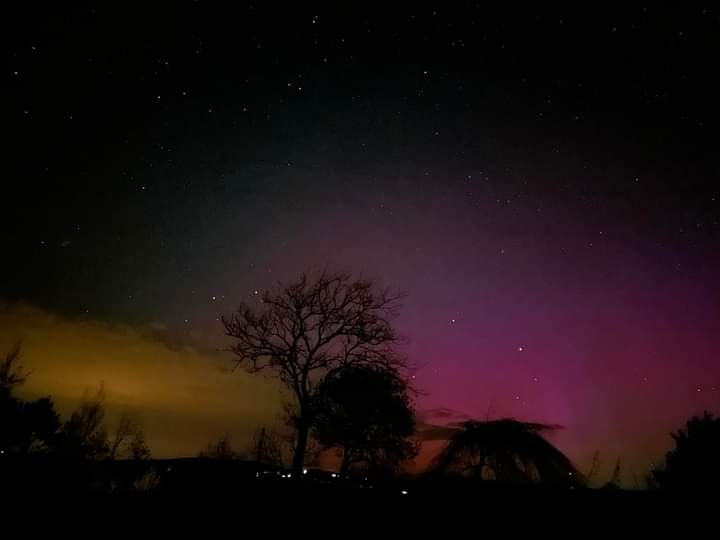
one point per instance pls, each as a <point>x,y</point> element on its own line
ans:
<point>184,397</point>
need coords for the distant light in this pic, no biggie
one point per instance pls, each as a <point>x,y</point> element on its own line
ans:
<point>520,349</point>
<point>404,492</point>
<point>334,475</point>
<point>304,471</point>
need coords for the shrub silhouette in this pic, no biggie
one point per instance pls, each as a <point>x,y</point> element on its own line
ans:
<point>693,463</point>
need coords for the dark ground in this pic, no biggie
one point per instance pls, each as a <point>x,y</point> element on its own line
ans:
<point>239,495</point>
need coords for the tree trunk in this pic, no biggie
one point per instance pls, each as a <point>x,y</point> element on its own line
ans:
<point>345,465</point>
<point>303,429</point>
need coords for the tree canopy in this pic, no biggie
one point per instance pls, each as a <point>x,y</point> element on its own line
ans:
<point>367,412</point>
<point>693,463</point>
<point>507,451</point>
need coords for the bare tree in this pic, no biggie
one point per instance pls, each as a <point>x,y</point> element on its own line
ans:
<point>126,429</point>
<point>594,468</point>
<point>128,440</point>
<point>84,435</point>
<point>11,374</point>
<point>220,449</point>
<point>615,481</point>
<point>306,329</point>
<point>138,447</point>
<point>266,448</point>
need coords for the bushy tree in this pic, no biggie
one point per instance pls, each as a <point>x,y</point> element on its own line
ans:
<point>367,413</point>
<point>694,463</point>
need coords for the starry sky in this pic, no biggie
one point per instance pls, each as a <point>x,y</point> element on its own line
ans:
<point>542,183</point>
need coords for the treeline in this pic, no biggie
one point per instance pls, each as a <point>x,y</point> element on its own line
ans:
<point>35,427</point>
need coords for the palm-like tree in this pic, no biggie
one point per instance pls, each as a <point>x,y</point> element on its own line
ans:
<point>508,451</point>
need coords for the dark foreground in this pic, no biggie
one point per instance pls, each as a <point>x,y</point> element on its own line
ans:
<point>242,494</point>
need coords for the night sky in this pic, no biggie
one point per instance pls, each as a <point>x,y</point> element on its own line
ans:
<point>543,184</point>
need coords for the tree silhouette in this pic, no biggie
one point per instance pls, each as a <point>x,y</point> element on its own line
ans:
<point>25,426</point>
<point>34,426</point>
<point>125,429</point>
<point>508,451</point>
<point>615,481</point>
<point>128,440</point>
<point>41,422</point>
<point>266,448</point>
<point>307,329</point>
<point>693,463</point>
<point>220,449</point>
<point>11,374</point>
<point>367,413</point>
<point>594,468</point>
<point>84,435</point>
<point>138,447</point>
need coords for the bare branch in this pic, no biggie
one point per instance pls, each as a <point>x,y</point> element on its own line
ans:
<point>305,329</point>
